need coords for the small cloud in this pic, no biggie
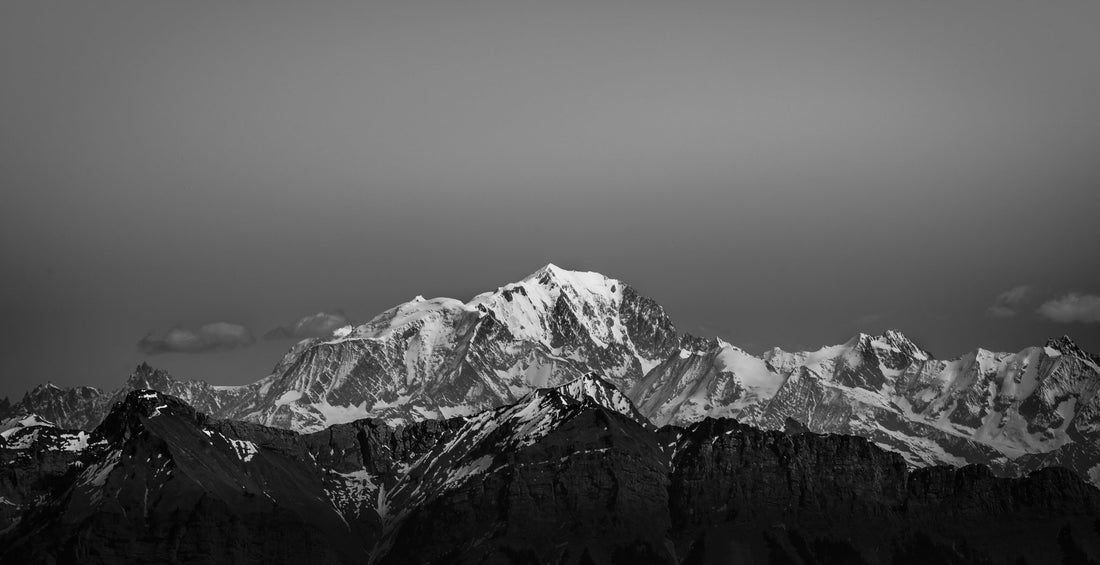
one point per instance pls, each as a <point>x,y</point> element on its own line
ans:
<point>216,336</point>
<point>1073,307</point>
<point>321,324</point>
<point>1008,302</point>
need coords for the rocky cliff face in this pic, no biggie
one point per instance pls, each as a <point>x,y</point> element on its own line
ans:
<point>765,496</point>
<point>568,474</point>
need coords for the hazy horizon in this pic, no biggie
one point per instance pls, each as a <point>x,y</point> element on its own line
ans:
<point>185,183</point>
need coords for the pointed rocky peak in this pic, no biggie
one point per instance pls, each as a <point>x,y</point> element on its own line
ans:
<point>545,274</point>
<point>43,389</point>
<point>147,376</point>
<point>1063,344</point>
<point>127,416</point>
<point>589,279</point>
<point>896,337</point>
<point>591,388</point>
<point>540,411</point>
<point>551,274</point>
<point>553,277</point>
<point>891,343</point>
<point>42,395</point>
<point>870,361</point>
<point>1066,346</point>
<point>489,439</point>
<point>1063,340</point>
<point>151,403</point>
<point>556,306</point>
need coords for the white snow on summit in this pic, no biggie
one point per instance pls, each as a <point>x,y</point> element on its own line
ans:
<point>523,306</point>
<point>440,357</point>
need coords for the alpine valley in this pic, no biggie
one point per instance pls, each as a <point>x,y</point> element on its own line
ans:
<point>563,419</point>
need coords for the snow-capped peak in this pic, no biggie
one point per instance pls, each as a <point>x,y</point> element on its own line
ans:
<point>890,342</point>
<point>590,387</point>
<point>553,275</point>
<point>529,307</point>
<point>547,269</point>
<point>898,339</point>
<point>404,315</point>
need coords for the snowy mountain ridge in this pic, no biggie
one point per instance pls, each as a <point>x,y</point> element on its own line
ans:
<point>982,407</point>
<point>442,358</point>
<point>426,358</point>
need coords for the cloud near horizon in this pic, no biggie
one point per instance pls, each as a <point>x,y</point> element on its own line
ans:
<point>215,336</point>
<point>1008,302</point>
<point>321,324</point>
<point>1073,307</point>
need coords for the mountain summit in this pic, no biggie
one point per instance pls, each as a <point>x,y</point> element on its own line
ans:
<point>440,357</point>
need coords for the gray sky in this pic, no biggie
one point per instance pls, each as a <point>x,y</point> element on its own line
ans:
<point>773,172</point>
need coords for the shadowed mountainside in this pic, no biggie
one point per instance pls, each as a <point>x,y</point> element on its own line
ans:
<point>568,474</point>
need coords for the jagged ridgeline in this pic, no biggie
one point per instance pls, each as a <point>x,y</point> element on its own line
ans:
<point>440,358</point>
<point>424,359</point>
<point>567,474</point>
<point>429,368</point>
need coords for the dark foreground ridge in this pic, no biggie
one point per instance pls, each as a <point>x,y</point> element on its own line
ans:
<point>567,475</point>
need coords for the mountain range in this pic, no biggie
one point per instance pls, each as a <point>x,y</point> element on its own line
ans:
<point>571,474</point>
<point>441,358</point>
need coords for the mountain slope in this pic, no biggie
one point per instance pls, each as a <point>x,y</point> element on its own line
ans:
<point>981,408</point>
<point>424,359</point>
<point>156,485</point>
<point>576,459</point>
<point>442,358</point>
<point>568,475</point>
